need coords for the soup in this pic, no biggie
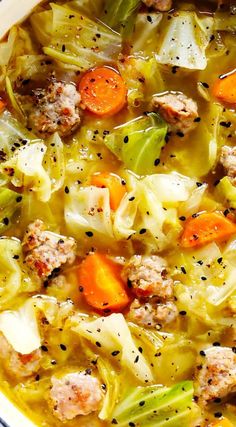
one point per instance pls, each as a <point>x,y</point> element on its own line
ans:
<point>118,175</point>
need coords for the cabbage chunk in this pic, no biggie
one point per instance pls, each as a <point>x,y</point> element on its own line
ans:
<point>185,41</point>
<point>138,143</point>
<point>71,38</point>
<point>157,406</point>
<point>111,334</point>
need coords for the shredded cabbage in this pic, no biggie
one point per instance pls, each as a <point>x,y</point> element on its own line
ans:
<point>10,270</point>
<point>111,334</point>
<point>72,40</point>
<point>54,162</point>
<point>10,201</point>
<point>16,106</point>
<point>185,41</point>
<point>142,77</point>
<point>226,191</point>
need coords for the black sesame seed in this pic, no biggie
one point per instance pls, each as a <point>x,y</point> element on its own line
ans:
<point>216,344</point>
<point>182,218</point>
<point>98,344</point>
<point>18,199</point>
<point>142,231</point>
<point>89,233</point>
<point>126,139</point>
<point>202,353</point>
<point>183,270</point>
<point>156,162</point>
<point>183,313</point>
<point>67,190</point>
<point>63,347</point>
<point>225,124</point>
<point>218,414</point>
<point>131,199</point>
<point>44,348</point>
<point>115,353</point>
<point>5,221</point>
<point>142,403</point>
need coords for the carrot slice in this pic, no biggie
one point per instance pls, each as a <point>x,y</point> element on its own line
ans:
<point>206,228</point>
<point>2,105</point>
<point>224,88</point>
<point>103,91</point>
<point>100,280</point>
<point>114,184</point>
<point>222,423</point>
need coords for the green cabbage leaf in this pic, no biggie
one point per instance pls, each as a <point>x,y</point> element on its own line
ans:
<point>138,143</point>
<point>121,14</point>
<point>157,406</point>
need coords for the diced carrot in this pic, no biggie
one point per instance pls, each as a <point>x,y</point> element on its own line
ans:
<point>103,91</point>
<point>206,228</point>
<point>224,88</point>
<point>114,184</point>
<point>2,105</point>
<point>222,423</point>
<point>100,279</point>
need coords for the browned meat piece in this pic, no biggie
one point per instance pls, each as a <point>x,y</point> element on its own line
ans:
<point>178,110</point>
<point>75,394</point>
<point>45,250</point>
<point>159,5</point>
<point>18,365</point>
<point>55,109</point>
<point>147,276</point>
<point>151,314</point>
<point>228,160</point>
<point>215,375</point>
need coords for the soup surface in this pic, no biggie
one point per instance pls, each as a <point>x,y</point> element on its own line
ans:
<point>117,214</point>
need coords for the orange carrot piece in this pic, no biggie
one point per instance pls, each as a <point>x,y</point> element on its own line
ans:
<point>222,423</point>
<point>103,91</point>
<point>224,88</point>
<point>100,279</point>
<point>206,228</point>
<point>2,105</point>
<point>114,184</point>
